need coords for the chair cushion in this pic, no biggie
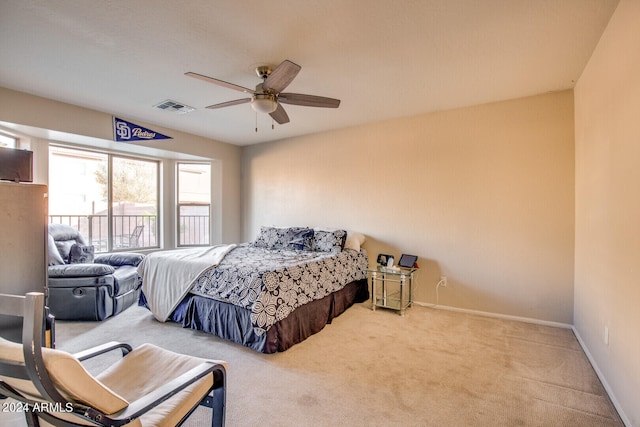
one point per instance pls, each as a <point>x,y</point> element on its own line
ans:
<point>149,367</point>
<point>80,270</point>
<point>70,377</point>
<point>62,232</point>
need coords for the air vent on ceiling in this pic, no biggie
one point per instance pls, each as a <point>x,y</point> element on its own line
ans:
<point>174,107</point>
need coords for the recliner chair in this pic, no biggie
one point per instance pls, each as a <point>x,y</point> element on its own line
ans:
<point>84,287</point>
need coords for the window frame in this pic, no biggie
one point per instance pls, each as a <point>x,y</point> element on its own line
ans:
<point>5,140</point>
<point>179,205</point>
<point>110,155</point>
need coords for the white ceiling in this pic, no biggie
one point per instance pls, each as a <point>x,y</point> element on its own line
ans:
<point>383,58</point>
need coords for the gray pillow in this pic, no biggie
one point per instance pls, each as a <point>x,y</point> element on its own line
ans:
<point>275,237</point>
<point>81,254</point>
<point>300,239</point>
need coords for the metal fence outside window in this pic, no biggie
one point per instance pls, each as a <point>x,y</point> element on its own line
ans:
<point>134,231</point>
<point>129,231</point>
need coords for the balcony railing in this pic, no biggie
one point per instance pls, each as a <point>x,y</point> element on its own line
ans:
<point>193,224</point>
<point>129,231</point>
<point>133,231</point>
<point>193,230</point>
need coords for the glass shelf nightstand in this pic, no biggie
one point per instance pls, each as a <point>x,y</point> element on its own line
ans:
<point>393,292</point>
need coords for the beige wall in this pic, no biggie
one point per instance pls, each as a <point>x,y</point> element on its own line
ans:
<point>483,195</point>
<point>607,284</point>
<point>47,120</point>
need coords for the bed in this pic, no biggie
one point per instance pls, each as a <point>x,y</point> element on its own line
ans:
<point>268,294</point>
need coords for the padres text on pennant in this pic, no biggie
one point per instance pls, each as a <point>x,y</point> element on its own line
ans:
<point>124,131</point>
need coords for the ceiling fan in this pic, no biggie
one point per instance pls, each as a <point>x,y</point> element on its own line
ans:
<point>268,96</point>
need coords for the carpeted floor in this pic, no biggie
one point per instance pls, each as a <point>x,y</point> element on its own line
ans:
<point>429,368</point>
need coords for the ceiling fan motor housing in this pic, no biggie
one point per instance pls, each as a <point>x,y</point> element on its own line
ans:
<point>263,72</point>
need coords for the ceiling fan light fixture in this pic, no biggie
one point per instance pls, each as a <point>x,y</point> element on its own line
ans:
<point>264,103</point>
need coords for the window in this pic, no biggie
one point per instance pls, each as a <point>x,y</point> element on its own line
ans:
<point>7,141</point>
<point>112,200</point>
<point>194,204</point>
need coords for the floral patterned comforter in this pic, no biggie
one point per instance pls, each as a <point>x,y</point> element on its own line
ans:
<point>271,283</point>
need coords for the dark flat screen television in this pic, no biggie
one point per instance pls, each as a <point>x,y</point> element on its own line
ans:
<point>16,165</point>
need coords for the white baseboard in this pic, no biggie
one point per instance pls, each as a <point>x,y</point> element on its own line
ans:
<point>602,378</point>
<point>497,315</point>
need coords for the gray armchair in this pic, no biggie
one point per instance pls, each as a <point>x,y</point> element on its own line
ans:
<point>87,287</point>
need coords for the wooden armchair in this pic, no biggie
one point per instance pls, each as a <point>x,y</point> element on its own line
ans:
<point>149,386</point>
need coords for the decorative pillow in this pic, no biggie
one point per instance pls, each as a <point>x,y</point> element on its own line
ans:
<point>275,237</point>
<point>354,240</point>
<point>300,240</point>
<point>81,254</point>
<point>329,241</point>
<point>269,237</point>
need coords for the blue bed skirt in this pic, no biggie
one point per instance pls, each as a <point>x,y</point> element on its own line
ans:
<point>233,323</point>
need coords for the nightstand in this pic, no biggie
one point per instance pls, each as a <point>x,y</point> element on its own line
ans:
<point>392,288</point>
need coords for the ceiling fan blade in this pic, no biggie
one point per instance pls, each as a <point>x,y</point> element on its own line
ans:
<point>218,82</point>
<point>280,115</point>
<point>281,76</point>
<point>229,103</point>
<point>308,100</point>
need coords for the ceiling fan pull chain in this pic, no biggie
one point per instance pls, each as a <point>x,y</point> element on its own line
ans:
<point>256,122</point>
<point>272,124</point>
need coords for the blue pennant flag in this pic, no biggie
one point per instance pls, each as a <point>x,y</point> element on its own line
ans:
<point>124,131</point>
